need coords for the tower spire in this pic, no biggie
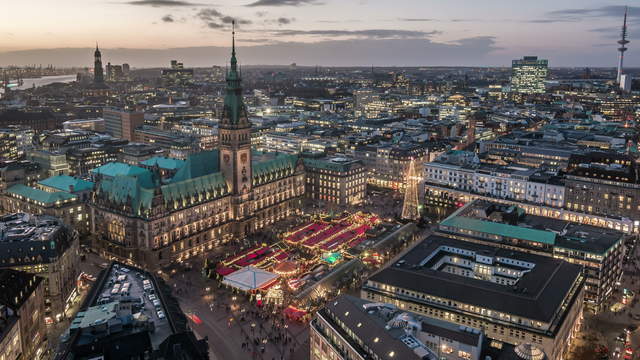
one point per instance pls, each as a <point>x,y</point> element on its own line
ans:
<point>233,35</point>
<point>234,62</point>
<point>623,42</point>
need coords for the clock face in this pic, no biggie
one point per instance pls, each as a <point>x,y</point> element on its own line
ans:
<point>226,158</point>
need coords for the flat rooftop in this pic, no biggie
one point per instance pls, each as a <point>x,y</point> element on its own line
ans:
<point>493,218</point>
<point>380,326</point>
<point>120,274</point>
<point>536,296</point>
<point>20,227</point>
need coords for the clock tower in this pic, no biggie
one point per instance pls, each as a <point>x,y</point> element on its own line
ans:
<point>235,147</point>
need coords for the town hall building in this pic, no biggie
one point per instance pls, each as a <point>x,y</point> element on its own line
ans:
<point>214,197</point>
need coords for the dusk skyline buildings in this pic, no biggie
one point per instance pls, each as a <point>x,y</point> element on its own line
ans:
<point>150,32</point>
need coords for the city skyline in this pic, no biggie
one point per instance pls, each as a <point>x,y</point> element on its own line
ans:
<point>148,33</point>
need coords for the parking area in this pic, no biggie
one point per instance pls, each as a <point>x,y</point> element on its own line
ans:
<point>125,284</point>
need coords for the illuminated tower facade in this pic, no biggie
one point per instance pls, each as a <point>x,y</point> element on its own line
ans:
<point>235,147</point>
<point>623,42</point>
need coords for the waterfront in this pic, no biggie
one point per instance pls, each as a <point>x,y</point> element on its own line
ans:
<point>45,80</point>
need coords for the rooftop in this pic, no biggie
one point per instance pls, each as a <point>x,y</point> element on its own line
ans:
<point>40,196</point>
<point>482,216</point>
<point>536,296</point>
<point>125,284</point>
<point>20,227</point>
<point>117,168</point>
<point>130,313</point>
<point>164,162</point>
<point>67,183</point>
<point>338,164</point>
<point>388,330</point>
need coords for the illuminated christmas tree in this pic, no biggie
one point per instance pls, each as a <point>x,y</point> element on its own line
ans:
<point>411,205</point>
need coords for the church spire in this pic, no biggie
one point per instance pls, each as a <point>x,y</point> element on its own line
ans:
<point>98,77</point>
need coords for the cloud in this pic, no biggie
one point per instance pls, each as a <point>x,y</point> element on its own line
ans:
<point>353,52</point>
<point>284,3</point>
<point>161,3</point>
<point>550,21</point>
<point>168,19</point>
<point>208,14</point>
<point>214,19</point>
<point>371,33</point>
<point>239,21</point>
<point>416,19</point>
<point>261,13</point>
<point>257,41</point>
<point>285,21</point>
<point>610,11</point>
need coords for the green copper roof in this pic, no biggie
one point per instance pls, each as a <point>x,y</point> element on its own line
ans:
<point>198,164</point>
<point>118,168</point>
<point>269,167</point>
<point>505,230</point>
<point>164,162</point>
<point>40,196</point>
<point>129,190</point>
<point>197,189</point>
<point>128,185</point>
<point>65,182</point>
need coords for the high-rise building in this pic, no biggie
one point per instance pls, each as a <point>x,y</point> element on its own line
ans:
<point>528,75</point>
<point>625,82</point>
<point>122,123</point>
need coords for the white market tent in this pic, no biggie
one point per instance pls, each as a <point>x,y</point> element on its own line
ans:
<point>249,278</point>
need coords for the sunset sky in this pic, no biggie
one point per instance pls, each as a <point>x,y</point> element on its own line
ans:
<point>567,32</point>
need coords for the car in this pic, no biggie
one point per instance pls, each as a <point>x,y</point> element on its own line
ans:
<point>631,328</point>
<point>616,354</point>
<point>195,318</point>
<point>160,314</point>
<point>621,338</point>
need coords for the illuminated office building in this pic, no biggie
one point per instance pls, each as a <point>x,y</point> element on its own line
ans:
<point>528,75</point>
